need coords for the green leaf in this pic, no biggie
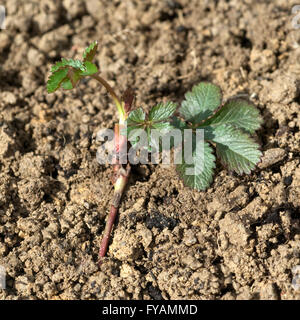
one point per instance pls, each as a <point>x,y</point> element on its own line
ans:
<point>203,162</point>
<point>241,113</point>
<point>137,115</point>
<point>201,103</point>
<point>64,63</point>
<point>56,79</point>
<point>72,78</point>
<point>90,69</point>
<point>236,149</point>
<point>67,73</point>
<point>162,111</point>
<point>67,84</point>
<point>90,51</point>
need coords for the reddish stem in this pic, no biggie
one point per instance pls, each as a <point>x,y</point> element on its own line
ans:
<point>112,214</point>
<point>107,231</point>
<point>121,176</point>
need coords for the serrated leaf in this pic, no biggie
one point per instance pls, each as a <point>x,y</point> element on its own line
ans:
<point>201,102</point>
<point>236,149</point>
<point>76,64</point>
<point>137,115</point>
<point>56,79</point>
<point>162,111</point>
<point>240,113</point>
<point>67,72</point>
<point>90,69</point>
<point>90,51</point>
<point>204,162</point>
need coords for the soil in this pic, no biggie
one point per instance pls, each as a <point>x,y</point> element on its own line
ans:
<point>238,240</point>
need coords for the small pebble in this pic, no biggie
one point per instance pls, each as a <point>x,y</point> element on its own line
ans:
<point>86,118</point>
<point>189,238</point>
<point>271,157</point>
<point>8,97</point>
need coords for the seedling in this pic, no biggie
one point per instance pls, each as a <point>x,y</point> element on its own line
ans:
<point>227,127</point>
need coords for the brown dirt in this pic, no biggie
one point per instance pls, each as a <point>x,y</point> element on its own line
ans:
<point>238,240</point>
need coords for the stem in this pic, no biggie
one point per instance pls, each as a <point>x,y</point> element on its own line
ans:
<point>121,178</point>
<point>119,188</point>
<point>121,174</point>
<point>112,93</point>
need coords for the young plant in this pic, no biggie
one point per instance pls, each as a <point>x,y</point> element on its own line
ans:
<point>67,74</point>
<point>226,126</point>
